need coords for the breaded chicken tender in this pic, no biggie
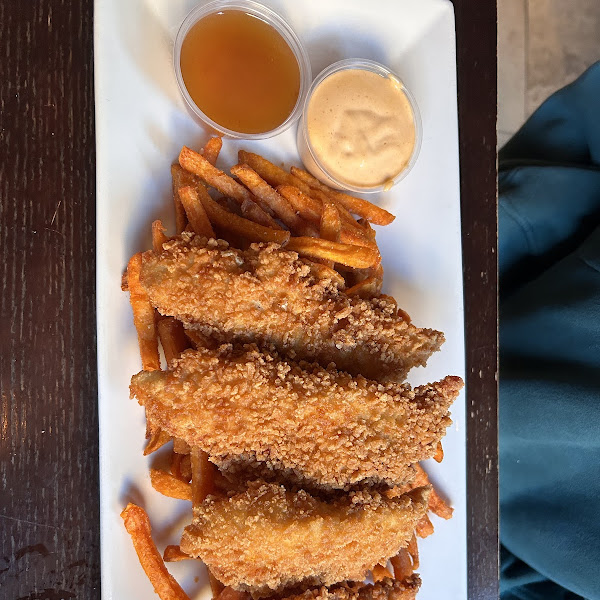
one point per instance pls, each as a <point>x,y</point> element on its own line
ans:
<point>268,296</point>
<point>387,589</point>
<point>268,538</point>
<point>334,429</point>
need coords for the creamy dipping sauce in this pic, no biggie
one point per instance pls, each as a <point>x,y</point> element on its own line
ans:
<point>361,127</point>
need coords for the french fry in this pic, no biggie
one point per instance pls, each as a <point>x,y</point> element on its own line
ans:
<point>311,208</point>
<point>180,446</point>
<point>230,205</point>
<point>307,207</point>
<point>353,256</point>
<point>216,587</point>
<point>137,525</point>
<point>175,554</point>
<point>254,212</point>
<point>439,453</point>
<point>352,231</point>
<point>379,573</point>
<point>196,212</point>
<point>212,149</point>
<point>271,173</point>
<point>172,338</point>
<point>413,550</point>
<point>181,178</point>
<point>169,485</point>
<point>402,565</point>
<point>185,467</point>
<point>424,527</point>
<point>181,466</point>
<point>367,288</point>
<point>143,316</point>
<point>421,478</point>
<point>203,476</point>
<point>345,215</point>
<point>331,223</point>
<point>238,225</point>
<point>198,165</point>
<point>358,206</point>
<point>270,201</point>
<point>158,236</point>
<point>157,440</point>
<point>436,504</point>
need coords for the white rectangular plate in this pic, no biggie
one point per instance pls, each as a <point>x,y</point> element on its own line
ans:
<point>141,124</point>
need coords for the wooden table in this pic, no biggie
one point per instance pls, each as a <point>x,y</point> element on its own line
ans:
<point>49,524</point>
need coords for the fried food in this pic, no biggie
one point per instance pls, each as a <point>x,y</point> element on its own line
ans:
<point>388,589</point>
<point>268,538</point>
<point>137,524</point>
<point>334,429</point>
<point>269,296</point>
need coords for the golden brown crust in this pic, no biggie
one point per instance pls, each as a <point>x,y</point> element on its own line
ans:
<point>269,296</point>
<point>334,429</point>
<point>387,589</point>
<point>267,538</point>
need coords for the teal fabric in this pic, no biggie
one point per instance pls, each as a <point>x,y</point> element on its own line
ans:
<point>549,266</point>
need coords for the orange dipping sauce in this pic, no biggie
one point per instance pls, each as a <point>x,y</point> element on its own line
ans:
<point>240,72</point>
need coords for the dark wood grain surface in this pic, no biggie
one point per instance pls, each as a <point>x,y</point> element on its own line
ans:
<point>476,58</point>
<point>49,529</point>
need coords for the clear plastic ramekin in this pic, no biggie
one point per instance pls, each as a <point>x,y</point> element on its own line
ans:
<point>307,152</point>
<point>268,16</point>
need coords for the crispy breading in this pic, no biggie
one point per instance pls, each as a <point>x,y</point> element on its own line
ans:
<point>387,589</point>
<point>333,428</point>
<point>268,538</point>
<point>269,296</point>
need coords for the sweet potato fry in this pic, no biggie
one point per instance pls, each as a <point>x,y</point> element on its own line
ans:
<point>436,503</point>
<point>158,236</point>
<point>331,223</point>
<point>203,476</point>
<point>307,207</point>
<point>424,527</point>
<point>198,165</point>
<point>345,254</point>
<point>143,316</point>
<point>413,550</point>
<point>271,173</point>
<point>238,225</point>
<point>175,554</point>
<point>169,485</point>
<point>195,211</point>
<point>137,525</point>
<point>212,149</point>
<point>181,466</point>
<point>402,565</point>
<point>270,201</point>
<point>367,288</point>
<point>254,212</point>
<point>157,440</point>
<point>180,446</point>
<point>181,178</point>
<point>379,572</point>
<point>172,338</point>
<point>439,453</point>
<point>358,206</point>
